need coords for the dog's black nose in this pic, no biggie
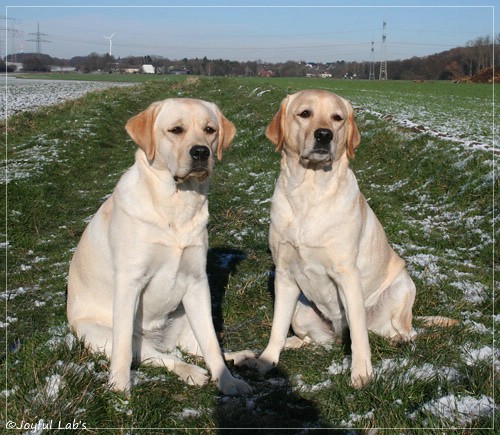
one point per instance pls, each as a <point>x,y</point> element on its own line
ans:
<point>323,135</point>
<point>200,152</point>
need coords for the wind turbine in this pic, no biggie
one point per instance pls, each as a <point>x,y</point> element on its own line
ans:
<point>110,42</point>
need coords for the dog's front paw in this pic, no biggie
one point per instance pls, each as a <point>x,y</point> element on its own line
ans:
<point>361,375</point>
<point>192,374</point>
<point>239,358</point>
<point>231,386</point>
<point>263,365</point>
<point>119,381</point>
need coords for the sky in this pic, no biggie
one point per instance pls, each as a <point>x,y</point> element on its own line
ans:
<point>270,31</point>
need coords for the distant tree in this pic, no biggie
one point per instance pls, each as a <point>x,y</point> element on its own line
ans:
<point>481,53</point>
<point>96,62</point>
<point>35,64</point>
<point>496,47</point>
<point>131,61</point>
<point>292,69</point>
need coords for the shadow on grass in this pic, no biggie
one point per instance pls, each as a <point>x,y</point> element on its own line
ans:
<point>221,263</point>
<point>274,406</point>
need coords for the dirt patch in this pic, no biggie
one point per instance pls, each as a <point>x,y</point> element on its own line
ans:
<point>486,75</point>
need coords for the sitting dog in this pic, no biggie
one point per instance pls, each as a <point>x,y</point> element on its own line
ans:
<point>137,285</point>
<point>334,266</point>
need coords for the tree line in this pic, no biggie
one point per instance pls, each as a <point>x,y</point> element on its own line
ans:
<point>448,65</point>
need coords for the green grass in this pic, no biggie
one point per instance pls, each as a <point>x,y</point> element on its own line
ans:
<point>434,198</point>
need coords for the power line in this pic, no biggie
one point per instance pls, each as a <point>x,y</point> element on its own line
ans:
<point>383,60</point>
<point>10,31</point>
<point>39,39</point>
<point>371,76</point>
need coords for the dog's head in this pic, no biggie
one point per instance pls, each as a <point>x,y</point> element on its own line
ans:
<point>315,124</point>
<point>182,135</point>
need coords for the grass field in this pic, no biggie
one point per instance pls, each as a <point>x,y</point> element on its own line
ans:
<point>425,164</point>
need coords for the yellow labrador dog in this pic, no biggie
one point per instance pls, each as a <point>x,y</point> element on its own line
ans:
<point>334,266</point>
<point>137,285</point>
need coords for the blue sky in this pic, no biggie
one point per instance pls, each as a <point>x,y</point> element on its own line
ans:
<point>271,31</point>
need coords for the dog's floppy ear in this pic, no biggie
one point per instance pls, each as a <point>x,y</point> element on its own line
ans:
<point>227,130</point>
<point>275,131</point>
<point>353,136</point>
<point>141,129</point>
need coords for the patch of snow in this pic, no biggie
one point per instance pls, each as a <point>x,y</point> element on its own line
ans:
<point>337,369</point>
<point>356,418</point>
<point>477,327</point>
<point>53,384</point>
<point>474,292</point>
<point>408,373</point>
<point>122,406</point>
<point>7,393</point>
<point>21,95</point>
<point>303,387</point>
<point>8,295</point>
<point>189,413</point>
<point>457,410</point>
<point>425,267</point>
<point>472,355</point>
<point>8,321</point>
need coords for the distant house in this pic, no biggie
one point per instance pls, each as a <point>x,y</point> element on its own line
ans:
<point>14,66</point>
<point>266,73</point>
<point>132,70</point>
<point>148,69</point>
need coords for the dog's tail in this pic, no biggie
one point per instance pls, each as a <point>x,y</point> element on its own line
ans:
<point>437,321</point>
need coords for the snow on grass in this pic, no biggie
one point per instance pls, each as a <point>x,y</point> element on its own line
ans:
<point>355,420</point>
<point>473,355</point>
<point>31,159</point>
<point>474,292</point>
<point>189,413</point>
<point>427,263</point>
<point>8,321</point>
<point>303,387</point>
<point>456,410</point>
<point>408,374</point>
<point>20,95</point>
<point>50,391</point>
<point>442,117</point>
<point>399,371</point>
<point>450,409</point>
<point>8,295</point>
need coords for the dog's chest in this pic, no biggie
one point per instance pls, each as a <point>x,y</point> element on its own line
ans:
<point>179,271</point>
<point>312,226</point>
<point>308,267</point>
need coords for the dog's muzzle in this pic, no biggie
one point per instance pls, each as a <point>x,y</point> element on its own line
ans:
<point>200,155</point>
<point>321,151</point>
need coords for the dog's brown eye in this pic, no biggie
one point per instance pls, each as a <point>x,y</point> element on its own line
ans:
<point>210,130</point>
<point>305,114</point>
<point>176,130</point>
<point>337,117</point>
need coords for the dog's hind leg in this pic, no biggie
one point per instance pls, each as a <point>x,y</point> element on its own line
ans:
<point>145,353</point>
<point>309,326</point>
<point>99,338</point>
<point>391,317</point>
